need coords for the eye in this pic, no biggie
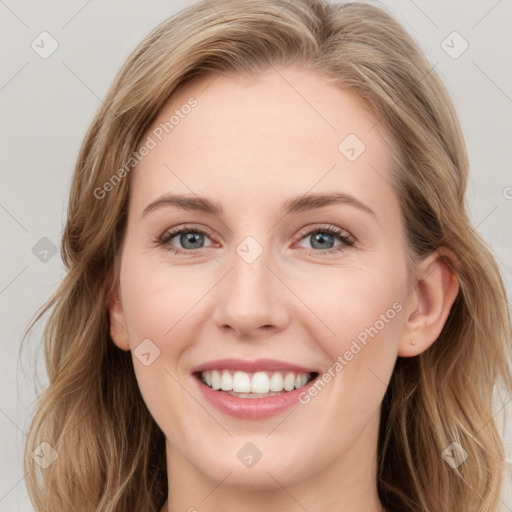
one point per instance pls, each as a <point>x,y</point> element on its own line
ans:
<point>190,238</point>
<point>324,237</point>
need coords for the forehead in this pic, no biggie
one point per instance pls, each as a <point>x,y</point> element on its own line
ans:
<point>254,139</point>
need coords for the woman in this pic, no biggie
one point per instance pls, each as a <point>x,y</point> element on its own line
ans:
<point>275,298</point>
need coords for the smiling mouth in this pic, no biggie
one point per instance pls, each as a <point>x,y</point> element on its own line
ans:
<point>260,384</point>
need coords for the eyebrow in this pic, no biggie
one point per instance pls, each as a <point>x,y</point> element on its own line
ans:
<point>292,205</point>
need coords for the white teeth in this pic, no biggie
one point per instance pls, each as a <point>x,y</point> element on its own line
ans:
<point>289,381</point>
<point>215,379</point>
<point>276,382</point>
<point>255,383</point>
<point>241,382</point>
<point>260,383</point>
<point>226,381</point>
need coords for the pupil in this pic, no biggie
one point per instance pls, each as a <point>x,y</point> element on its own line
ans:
<point>321,238</point>
<point>190,238</point>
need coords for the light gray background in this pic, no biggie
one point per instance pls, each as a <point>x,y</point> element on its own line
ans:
<point>47,104</point>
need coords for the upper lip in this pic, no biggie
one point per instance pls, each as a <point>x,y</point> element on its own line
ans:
<point>251,366</point>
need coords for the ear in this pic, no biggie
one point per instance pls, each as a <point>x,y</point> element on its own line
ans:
<point>435,289</point>
<point>118,329</point>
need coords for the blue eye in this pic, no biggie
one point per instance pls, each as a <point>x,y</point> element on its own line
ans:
<point>323,238</point>
<point>192,239</point>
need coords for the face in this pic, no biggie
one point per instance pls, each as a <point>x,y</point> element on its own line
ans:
<point>276,287</point>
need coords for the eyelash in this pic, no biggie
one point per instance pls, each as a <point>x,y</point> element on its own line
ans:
<point>339,233</point>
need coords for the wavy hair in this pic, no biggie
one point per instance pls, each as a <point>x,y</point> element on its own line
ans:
<point>111,453</point>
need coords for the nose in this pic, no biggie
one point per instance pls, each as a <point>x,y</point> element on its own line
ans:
<point>251,301</point>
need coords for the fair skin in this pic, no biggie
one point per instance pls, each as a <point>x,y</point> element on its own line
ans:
<point>249,145</point>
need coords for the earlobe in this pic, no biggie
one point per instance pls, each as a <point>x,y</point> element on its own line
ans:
<point>435,291</point>
<point>118,329</point>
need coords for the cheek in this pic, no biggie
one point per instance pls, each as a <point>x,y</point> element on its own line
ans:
<point>162,304</point>
<point>158,306</point>
<point>362,305</point>
<point>364,309</point>
<point>157,301</point>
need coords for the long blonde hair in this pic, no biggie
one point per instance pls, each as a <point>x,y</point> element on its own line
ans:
<point>111,453</point>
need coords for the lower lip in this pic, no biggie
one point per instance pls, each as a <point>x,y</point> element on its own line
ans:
<point>251,408</point>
